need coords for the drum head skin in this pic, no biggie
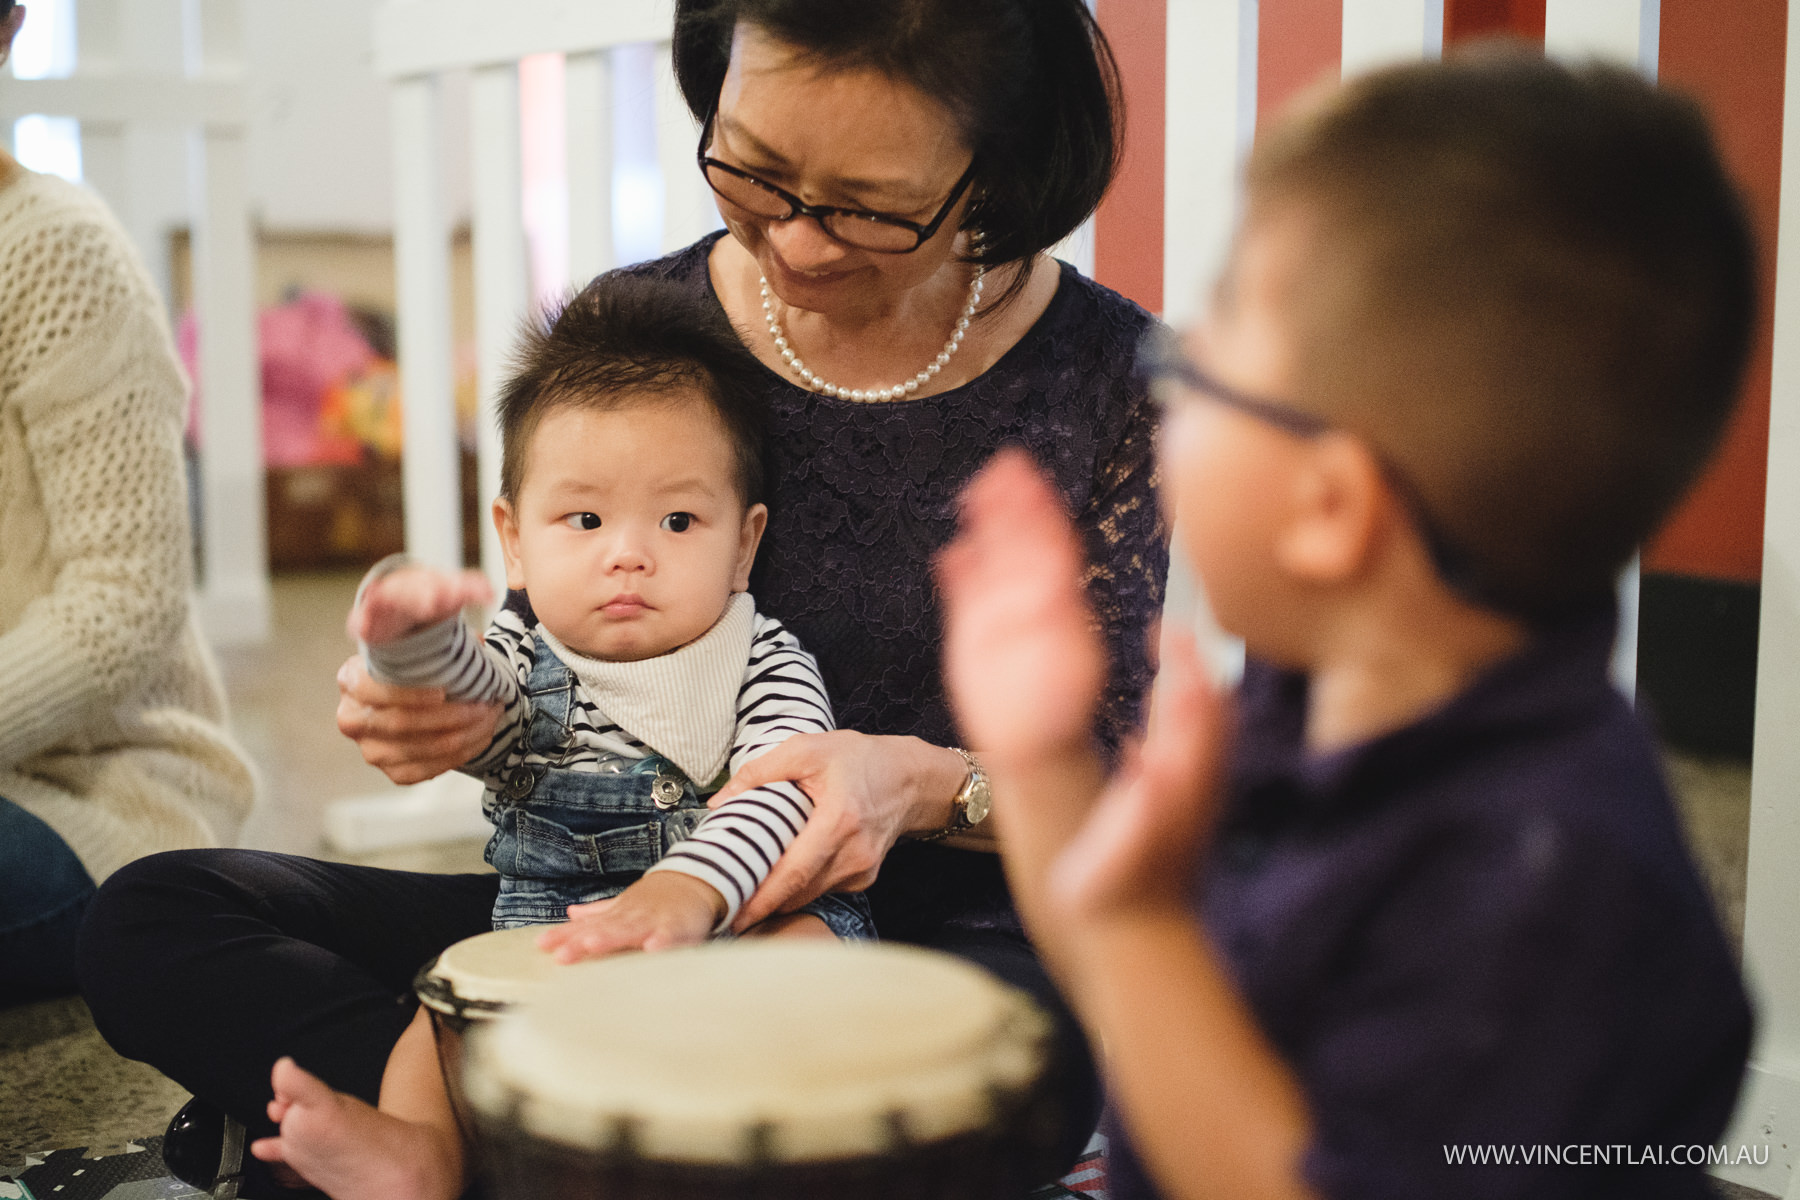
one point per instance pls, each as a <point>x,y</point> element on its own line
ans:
<point>484,974</point>
<point>759,1051</point>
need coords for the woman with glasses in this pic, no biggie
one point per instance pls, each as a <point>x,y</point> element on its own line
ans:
<point>891,174</point>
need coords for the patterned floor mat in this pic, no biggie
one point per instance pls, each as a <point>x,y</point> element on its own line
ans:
<point>135,1171</point>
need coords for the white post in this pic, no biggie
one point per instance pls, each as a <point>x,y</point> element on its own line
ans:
<point>588,118</point>
<point>688,209</point>
<point>1209,111</point>
<point>235,589</point>
<point>1379,32</point>
<point>1769,1112</point>
<point>1626,32</point>
<point>97,50</point>
<point>431,488</point>
<point>501,278</point>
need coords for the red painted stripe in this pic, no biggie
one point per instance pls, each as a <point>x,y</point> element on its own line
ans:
<point>1298,43</point>
<point>1465,19</point>
<point>1731,55</point>
<point>1128,230</point>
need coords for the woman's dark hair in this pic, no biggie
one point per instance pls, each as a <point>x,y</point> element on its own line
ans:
<point>1032,83</point>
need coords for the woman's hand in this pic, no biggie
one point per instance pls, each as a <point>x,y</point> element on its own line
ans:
<point>866,792</point>
<point>411,734</point>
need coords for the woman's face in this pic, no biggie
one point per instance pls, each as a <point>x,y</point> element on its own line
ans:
<point>846,137</point>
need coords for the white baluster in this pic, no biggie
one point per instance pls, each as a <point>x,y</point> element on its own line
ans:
<point>588,117</point>
<point>688,209</point>
<point>501,277</point>
<point>422,268</point>
<point>235,589</point>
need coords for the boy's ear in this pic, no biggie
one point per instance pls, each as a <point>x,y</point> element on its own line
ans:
<point>506,523</point>
<point>1334,515</point>
<point>756,519</point>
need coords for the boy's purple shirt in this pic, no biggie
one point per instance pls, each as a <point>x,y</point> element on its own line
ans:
<point>1483,929</point>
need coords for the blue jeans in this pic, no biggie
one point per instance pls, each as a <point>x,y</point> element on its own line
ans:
<point>44,892</point>
<point>565,837</point>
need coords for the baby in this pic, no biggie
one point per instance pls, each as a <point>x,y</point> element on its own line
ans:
<point>635,679</point>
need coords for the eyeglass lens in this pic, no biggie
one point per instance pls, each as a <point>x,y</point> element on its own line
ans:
<point>757,200</point>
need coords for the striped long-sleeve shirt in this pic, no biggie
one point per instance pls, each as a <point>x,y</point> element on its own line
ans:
<point>778,695</point>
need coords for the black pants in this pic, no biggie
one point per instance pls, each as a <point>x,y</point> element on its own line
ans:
<point>211,964</point>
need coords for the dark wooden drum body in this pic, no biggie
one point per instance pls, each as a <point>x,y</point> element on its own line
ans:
<point>791,1070</point>
<point>473,982</point>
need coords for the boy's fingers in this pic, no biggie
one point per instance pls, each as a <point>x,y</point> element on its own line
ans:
<point>268,1150</point>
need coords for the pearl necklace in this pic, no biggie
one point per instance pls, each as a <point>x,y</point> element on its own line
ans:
<point>899,390</point>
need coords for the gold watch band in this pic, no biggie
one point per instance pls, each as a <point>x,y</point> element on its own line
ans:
<point>959,804</point>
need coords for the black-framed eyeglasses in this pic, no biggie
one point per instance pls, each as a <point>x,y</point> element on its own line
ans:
<point>883,233</point>
<point>1169,372</point>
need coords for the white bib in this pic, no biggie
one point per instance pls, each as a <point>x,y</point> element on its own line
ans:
<point>682,704</point>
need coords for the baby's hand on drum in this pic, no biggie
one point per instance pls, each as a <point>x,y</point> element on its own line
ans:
<point>411,598</point>
<point>1023,660</point>
<point>661,911</point>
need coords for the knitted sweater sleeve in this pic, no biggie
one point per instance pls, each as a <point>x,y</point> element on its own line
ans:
<point>99,398</point>
<point>737,844</point>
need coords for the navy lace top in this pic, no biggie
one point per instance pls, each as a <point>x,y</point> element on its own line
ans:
<point>862,495</point>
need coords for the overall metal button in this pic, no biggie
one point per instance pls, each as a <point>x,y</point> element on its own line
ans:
<point>519,785</point>
<point>665,791</point>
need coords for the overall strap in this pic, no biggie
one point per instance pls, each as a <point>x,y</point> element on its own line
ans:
<point>550,689</point>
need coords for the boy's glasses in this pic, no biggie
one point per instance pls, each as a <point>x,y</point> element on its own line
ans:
<point>1170,374</point>
<point>883,233</point>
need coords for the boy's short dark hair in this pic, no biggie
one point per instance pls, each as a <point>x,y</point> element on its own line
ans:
<point>630,339</point>
<point>1531,287</point>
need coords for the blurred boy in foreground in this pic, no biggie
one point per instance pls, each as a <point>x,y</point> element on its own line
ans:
<point>1420,887</point>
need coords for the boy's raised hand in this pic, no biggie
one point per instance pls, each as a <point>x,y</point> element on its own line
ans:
<point>661,911</point>
<point>1023,659</point>
<point>410,598</point>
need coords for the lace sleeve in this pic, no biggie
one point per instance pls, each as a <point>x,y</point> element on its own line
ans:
<point>1128,559</point>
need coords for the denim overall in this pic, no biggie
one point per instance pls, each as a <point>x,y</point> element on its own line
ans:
<point>565,837</point>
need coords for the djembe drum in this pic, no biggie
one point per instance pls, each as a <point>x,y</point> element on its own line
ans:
<point>781,1069</point>
<point>473,982</point>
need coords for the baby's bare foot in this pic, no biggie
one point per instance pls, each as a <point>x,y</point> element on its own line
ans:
<point>351,1151</point>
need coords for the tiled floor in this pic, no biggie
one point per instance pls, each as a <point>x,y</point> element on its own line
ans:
<point>61,1087</point>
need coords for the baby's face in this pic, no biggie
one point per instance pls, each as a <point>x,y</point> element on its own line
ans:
<point>628,531</point>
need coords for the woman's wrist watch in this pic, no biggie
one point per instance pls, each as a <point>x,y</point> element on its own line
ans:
<point>971,805</point>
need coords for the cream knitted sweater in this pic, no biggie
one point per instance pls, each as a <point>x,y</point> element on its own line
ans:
<point>111,713</point>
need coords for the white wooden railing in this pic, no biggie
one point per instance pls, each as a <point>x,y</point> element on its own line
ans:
<point>416,43</point>
<point>114,98</point>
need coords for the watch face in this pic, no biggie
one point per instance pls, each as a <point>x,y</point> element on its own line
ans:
<point>980,799</point>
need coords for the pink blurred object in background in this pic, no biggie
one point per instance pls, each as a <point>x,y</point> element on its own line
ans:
<point>308,346</point>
